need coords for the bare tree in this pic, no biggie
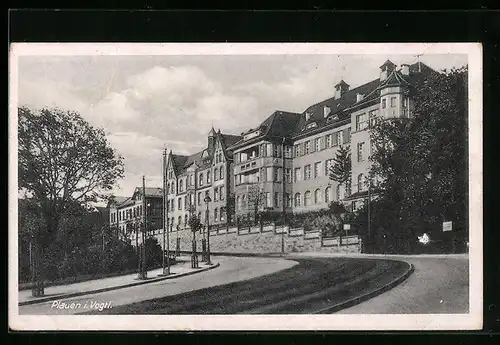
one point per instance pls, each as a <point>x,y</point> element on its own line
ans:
<point>256,198</point>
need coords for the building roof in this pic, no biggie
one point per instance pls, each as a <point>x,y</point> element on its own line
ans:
<point>280,124</point>
<point>150,191</point>
<point>182,162</point>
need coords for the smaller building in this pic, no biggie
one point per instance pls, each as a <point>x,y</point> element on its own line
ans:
<point>126,214</point>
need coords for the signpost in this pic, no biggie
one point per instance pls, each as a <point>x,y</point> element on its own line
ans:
<point>447,226</point>
<point>347,227</point>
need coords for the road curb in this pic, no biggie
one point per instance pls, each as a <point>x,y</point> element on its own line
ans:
<point>369,295</point>
<point>89,292</point>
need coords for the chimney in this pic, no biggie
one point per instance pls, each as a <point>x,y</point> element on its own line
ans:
<point>341,88</point>
<point>359,97</point>
<point>405,69</point>
<point>326,111</point>
<point>386,69</point>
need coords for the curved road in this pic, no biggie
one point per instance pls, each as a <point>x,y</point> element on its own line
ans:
<point>309,287</point>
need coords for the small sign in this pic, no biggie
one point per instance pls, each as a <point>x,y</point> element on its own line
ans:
<point>347,226</point>
<point>447,226</point>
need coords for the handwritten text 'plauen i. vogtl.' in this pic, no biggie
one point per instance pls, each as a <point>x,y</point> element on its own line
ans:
<point>87,305</point>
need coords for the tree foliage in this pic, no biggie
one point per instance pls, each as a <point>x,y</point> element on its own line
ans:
<point>340,171</point>
<point>422,161</point>
<point>63,159</point>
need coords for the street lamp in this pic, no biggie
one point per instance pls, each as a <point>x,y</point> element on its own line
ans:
<point>207,200</point>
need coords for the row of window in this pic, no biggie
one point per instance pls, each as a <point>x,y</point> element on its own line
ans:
<point>265,174</point>
<point>263,150</point>
<point>248,202</point>
<point>218,175</point>
<point>184,202</point>
<point>126,214</point>
<point>219,215</point>
<point>330,140</point>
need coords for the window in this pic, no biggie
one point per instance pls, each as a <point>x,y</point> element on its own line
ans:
<point>317,144</point>
<point>288,175</point>
<point>288,152</point>
<point>192,180</point>
<point>317,169</point>
<point>307,147</point>
<point>297,150</point>
<point>384,103</point>
<point>221,193</point>
<point>216,174</point>
<point>360,182</point>
<point>200,179</point>
<point>361,146</point>
<point>216,194</point>
<point>179,220</point>
<point>328,191</point>
<point>186,219</point>
<point>199,198</point>
<point>278,172</point>
<point>222,213</point>
<point>317,196</point>
<point>268,200</point>
<point>329,140</point>
<point>185,202</point>
<point>373,118</point>
<point>297,174</point>
<point>209,178</point>
<point>172,188</point>
<point>328,164</point>
<point>179,204</point>
<point>238,203</point>
<point>221,172</point>
<point>361,122</point>
<point>340,192</point>
<point>181,186</point>
<point>393,102</point>
<point>339,138</point>
<point>216,214</point>
<point>276,199</point>
<point>307,198</point>
<point>307,172</point>
<point>277,151</point>
<point>168,187</point>
<point>288,200</point>
<point>297,199</point>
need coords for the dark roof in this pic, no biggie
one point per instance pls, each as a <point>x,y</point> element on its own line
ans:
<point>342,83</point>
<point>181,162</point>
<point>371,91</point>
<point>150,191</point>
<point>337,107</point>
<point>277,125</point>
<point>388,63</point>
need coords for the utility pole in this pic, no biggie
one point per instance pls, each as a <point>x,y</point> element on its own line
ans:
<point>369,206</point>
<point>283,197</point>
<point>166,242</point>
<point>144,229</point>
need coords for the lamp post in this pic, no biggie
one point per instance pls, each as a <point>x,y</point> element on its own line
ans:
<point>166,239</point>
<point>207,200</point>
<point>283,198</point>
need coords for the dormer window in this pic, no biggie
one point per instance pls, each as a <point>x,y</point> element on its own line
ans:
<point>311,125</point>
<point>308,116</point>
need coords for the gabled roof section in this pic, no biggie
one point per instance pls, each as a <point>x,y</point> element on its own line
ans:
<point>178,162</point>
<point>278,125</point>
<point>337,107</point>
<point>396,78</point>
<point>116,200</point>
<point>150,191</point>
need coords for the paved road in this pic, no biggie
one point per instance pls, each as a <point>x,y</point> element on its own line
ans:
<point>309,287</point>
<point>232,269</point>
<point>438,285</point>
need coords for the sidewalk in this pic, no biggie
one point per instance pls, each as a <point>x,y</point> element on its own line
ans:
<point>112,283</point>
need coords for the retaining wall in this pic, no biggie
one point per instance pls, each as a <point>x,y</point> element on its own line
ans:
<point>267,239</point>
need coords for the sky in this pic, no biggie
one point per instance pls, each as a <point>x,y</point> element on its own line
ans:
<point>146,103</point>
